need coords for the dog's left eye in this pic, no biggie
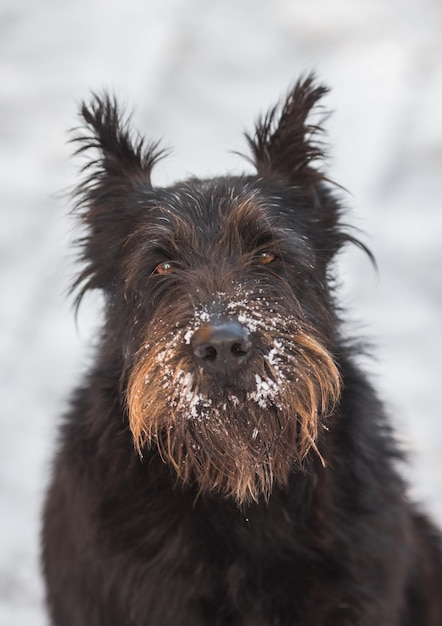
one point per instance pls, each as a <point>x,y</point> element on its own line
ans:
<point>266,257</point>
<point>164,268</point>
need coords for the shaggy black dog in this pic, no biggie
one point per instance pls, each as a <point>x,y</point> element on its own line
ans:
<point>225,461</point>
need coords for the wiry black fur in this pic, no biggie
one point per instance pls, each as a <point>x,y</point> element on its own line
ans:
<point>124,543</point>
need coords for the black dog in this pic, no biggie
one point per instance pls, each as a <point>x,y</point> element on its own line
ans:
<point>226,462</point>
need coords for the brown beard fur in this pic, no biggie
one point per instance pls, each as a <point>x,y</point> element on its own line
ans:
<point>237,442</point>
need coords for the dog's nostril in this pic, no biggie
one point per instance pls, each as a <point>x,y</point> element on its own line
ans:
<point>210,354</point>
<point>238,350</point>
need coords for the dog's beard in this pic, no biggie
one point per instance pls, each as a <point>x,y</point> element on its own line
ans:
<point>238,440</point>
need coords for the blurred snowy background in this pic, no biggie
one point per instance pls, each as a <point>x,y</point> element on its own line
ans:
<point>197,72</point>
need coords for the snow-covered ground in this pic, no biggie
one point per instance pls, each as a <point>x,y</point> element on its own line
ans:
<point>197,72</point>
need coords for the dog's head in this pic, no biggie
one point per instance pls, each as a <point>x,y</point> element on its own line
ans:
<point>218,298</point>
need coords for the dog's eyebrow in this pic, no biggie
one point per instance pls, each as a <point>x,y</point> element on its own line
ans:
<point>247,214</point>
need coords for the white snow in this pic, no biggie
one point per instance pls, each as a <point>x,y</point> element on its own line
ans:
<point>265,392</point>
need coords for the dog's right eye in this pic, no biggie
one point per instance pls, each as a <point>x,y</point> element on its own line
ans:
<point>164,268</point>
<point>265,258</point>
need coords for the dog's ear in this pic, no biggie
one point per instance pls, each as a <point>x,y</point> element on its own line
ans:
<point>122,154</point>
<point>115,176</point>
<point>285,143</point>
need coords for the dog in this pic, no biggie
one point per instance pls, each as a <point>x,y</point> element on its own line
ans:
<point>226,462</point>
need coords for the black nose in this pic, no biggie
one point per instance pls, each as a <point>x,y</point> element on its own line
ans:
<point>222,348</point>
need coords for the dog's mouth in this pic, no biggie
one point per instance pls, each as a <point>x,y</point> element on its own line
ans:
<point>231,404</point>
<point>220,395</point>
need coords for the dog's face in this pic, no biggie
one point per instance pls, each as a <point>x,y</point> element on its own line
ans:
<point>218,300</point>
<point>231,372</point>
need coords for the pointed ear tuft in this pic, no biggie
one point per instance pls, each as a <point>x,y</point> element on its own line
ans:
<point>284,142</point>
<point>122,152</point>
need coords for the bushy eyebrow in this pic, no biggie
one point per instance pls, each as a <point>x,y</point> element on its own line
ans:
<point>245,225</point>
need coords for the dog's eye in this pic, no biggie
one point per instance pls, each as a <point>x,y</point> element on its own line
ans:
<point>164,268</point>
<point>266,257</point>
